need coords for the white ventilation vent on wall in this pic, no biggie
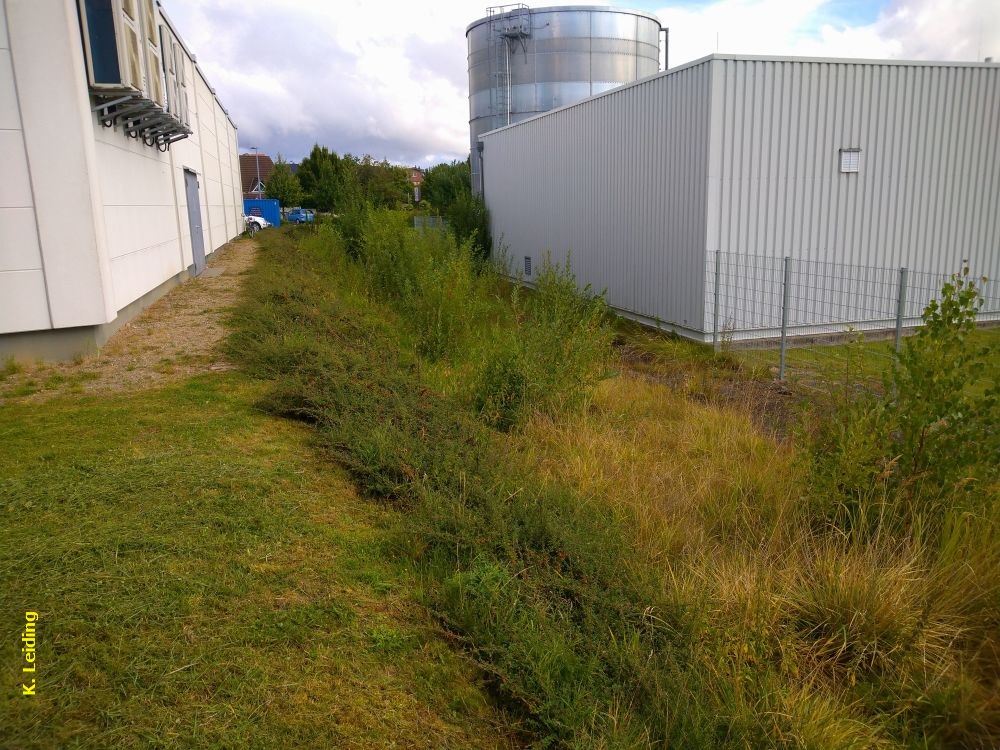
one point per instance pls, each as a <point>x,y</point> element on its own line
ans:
<point>527,265</point>
<point>850,160</point>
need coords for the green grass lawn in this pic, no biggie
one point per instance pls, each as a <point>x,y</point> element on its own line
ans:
<point>204,579</point>
<point>816,364</point>
<point>838,362</point>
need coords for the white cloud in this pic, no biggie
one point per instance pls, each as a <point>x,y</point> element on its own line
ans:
<point>905,29</point>
<point>386,78</point>
<point>389,78</point>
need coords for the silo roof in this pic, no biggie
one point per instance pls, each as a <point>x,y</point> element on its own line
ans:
<point>593,8</point>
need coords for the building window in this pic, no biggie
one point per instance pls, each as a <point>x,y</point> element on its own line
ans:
<point>850,160</point>
<point>103,42</point>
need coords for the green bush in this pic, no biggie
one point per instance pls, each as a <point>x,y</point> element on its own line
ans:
<point>428,278</point>
<point>930,445</point>
<point>944,412</point>
<point>567,338</point>
<point>500,390</point>
<point>469,220</point>
<point>553,358</point>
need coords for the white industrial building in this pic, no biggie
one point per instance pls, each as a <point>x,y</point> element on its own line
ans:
<point>121,169</point>
<point>708,175</point>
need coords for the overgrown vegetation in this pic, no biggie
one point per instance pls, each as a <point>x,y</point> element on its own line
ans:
<point>930,446</point>
<point>648,570</point>
<point>447,189</point>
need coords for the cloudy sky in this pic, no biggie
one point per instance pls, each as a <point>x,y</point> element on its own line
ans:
<point>389,78</point>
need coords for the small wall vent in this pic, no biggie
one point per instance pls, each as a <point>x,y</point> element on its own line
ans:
<point>527,265</point>
<point>850,160</point>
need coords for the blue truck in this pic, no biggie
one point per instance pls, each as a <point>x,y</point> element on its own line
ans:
<point>300,216</point>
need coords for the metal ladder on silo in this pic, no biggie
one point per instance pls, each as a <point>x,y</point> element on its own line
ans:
<point>507,22</point>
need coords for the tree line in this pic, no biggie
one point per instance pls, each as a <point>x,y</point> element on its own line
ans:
<point>347,184</point>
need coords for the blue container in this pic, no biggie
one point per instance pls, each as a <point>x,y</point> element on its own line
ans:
<point>267,208</point>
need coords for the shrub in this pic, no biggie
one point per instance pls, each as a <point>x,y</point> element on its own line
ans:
<point>932,442</point>
<point>428,278</point>
<point>500,391</point>
<point>567,338</point>
<point>554,356</point>
<point>469,219</point>
<point>945,408</point>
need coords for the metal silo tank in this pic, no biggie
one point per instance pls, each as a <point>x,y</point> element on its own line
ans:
<point>524,61</point>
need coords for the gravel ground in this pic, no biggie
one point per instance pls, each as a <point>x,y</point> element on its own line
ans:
<point>174,338</point>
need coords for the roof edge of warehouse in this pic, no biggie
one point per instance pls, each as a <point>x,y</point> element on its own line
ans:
<point>756,58</point>
<point>598,8</point>
<point>177,35</point>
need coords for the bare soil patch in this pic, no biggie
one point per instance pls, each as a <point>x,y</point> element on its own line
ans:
<point>176,337</point>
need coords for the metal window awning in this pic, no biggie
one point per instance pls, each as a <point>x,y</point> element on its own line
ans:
<point>139,117</point>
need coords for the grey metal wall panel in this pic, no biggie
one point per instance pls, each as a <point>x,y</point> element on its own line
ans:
<point>927,195</point>
<point>735,161</point>
<point>617,183</point>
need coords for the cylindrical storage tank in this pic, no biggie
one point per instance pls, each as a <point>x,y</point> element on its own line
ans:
<point>524,61</point>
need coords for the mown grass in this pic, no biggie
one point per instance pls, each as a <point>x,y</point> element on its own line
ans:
<point>204,578</point>
<point>864,359</point>
<point>634,568</point>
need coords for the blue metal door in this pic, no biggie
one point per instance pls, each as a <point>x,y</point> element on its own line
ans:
<point>194,219</point>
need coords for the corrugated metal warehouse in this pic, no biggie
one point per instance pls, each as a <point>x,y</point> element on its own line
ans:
<point>706,176</point>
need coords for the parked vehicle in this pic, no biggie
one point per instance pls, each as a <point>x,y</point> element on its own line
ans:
<point>301,215</point>
<point>259,222</point>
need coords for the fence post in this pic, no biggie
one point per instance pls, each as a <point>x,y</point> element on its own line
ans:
<point>785,292</point>
<point>900,305</point>
<point>715,315</point>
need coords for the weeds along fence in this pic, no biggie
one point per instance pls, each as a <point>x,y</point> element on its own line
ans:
<point>811,319</point>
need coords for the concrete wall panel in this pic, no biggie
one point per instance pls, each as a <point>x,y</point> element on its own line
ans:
<point>23,296</point>
<point>15,187</point>
<point>10,113</point>
<point>112,216</point>
<point>55,111</point>
<point>4,44</point>
<point>19,240</point>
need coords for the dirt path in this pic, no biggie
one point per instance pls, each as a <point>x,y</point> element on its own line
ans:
<point>174,338</point>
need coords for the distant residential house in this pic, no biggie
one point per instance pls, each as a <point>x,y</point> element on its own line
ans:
<point>255,171</point>
<point>416,179</point>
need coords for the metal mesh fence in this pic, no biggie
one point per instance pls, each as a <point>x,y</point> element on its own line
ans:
<point>802,317</point>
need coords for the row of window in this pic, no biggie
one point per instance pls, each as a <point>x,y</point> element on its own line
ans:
<point>128,50</point>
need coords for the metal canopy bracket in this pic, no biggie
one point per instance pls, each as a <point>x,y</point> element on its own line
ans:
<point>139,117</point>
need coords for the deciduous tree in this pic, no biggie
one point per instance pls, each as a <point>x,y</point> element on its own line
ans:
<point>283,185</point>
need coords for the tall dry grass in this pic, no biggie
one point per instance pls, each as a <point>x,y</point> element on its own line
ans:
<point>809,636</point>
